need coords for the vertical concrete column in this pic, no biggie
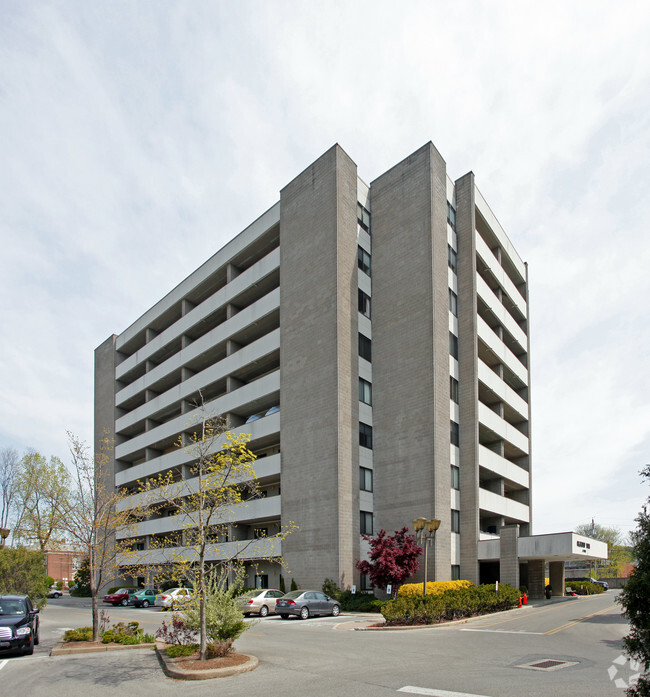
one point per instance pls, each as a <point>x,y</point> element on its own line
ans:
<point>509,557</point>
<point>410,303</point>
<point>556,577</point>
<point>536,575</point>
<point>468,377</point>
<point>319,370</point>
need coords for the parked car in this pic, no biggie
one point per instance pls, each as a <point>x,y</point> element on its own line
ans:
<point>54,593</point>
<point>604,584</point>
<point>173,598</point>
<point>260,601</point>
<point>19,624</point>
<point>305,604</point>
<point>123,596</point>
<point>145,597</point>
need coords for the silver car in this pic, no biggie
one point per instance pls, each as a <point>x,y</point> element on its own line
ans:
<point>260,601</point>
<point>304,604</point>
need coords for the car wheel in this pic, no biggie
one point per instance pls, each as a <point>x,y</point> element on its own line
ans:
<point>304,613</point>
<point>284,617</point>
<point>264,611</point>
<point>29,650</point>
<point>37,636</point>
<point>335,611</point>
<point>145,603</point>
<point>124,602</point>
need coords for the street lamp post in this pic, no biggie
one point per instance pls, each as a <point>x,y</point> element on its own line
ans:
<point>4,534</point>
<point>425,532</point>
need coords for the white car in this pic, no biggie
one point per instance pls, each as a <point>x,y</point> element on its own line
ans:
<point>173,598</point>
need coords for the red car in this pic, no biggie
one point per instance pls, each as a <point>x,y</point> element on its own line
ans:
<point>121,597</point>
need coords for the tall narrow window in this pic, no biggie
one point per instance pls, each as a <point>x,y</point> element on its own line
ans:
<point>365,347</point>
<point>451,216</point>
<point>452,259</point>
<point>453,389</point>
<point>455,572</point>
<point>365,479</point>
<point>455,520</point>
<point>453,303</point>
<point>363,217</point>
<point>453,345</point>
<point>366,523</point>
<point>365,435</point>
<point>365,391</point>
<point>454,436</point>
<point>363,260</point>
<point>364,304</point>
<point>455,477</point>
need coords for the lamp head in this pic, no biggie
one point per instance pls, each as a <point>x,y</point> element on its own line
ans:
<point>419,523</point>
<point>433,524</point>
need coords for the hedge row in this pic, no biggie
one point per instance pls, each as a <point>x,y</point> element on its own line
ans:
<point>433,587</point>
<point>452,604</point>
<point>584,587</point>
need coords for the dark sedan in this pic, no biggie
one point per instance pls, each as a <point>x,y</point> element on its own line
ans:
<point>305,604</point>
<point>18,624</point>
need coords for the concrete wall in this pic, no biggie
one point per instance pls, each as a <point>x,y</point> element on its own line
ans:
<point>410,333</point>
<point>319,376</point>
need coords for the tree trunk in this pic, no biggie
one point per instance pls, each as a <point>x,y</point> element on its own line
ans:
<point>93,595</point>
<point>201,590</point>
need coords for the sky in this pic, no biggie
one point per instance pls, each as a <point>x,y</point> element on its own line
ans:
<point>137,138</point>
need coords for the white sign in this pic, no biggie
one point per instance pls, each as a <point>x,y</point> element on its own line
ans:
<point>354,590</point>
<point>496,586</point>
<point>389,589</point>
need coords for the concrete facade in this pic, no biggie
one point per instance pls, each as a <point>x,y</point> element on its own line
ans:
<point>389,324</point>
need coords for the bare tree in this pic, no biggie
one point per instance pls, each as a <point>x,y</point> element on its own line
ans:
<point>93,514</point>
<point>9,463</point>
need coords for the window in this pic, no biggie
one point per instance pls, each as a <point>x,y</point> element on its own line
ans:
<point>451,216</point>
<point>365,347</point>
<point>365,391</point>
<point>455,477</point>
<point>452,259</point>
<point>453,345</point>
<point>365,435</point>
<point>454,433</point>
<point>364,304</point>
<point>261,581</point>
<point>259,533</point>
<point>366,523</point>
<point>363,217</point>
<point>363,260</point>
<point>364,582</point>
<point>365,479</point>
<point>453,303</point>
<point>455,572</point>
<point>453,389</point>
<point>455,520</point>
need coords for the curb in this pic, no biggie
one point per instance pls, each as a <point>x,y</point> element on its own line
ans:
<point>64,649</point>
<point>173,671</point>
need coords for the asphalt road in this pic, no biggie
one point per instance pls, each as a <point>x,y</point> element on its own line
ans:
<point>579,639</point>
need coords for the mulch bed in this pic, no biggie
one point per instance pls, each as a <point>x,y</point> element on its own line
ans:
<point>192,662</point>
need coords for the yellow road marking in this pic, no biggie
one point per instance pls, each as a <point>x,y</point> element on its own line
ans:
<point>574,622</point>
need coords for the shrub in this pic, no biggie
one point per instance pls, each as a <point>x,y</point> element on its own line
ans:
<point>181,650</point>
<point>176,632</point>
<point>224,620</point>
<point>122,633</point>
<point>49,581</point>
<point>282,586</point>
<point>433,587</point>
<point>451,604</point>
<point>81,634</point>
<point>360,602</point>
<point>294,585</point>
<point>59,585</point>
<point>584,587</point>
<point>330,588</point>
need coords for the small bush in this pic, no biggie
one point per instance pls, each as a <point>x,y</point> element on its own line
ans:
<point>176,632</point>
<point>433,587</point>
<point>177,650</point>
<point>81,634</point>
<point>219,649</point>
<point>330,588</point>
<point>294,585</point>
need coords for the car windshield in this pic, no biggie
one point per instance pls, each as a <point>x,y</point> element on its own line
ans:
<point>249,594</point>
<point>12,607</point>
<point>293,594</point>
<point>122,590</point>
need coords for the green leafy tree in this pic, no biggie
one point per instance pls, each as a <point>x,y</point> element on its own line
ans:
<point>23,571</point>
<point>42,489</point>
<point>610,535</point>
<point>82,580</point>
<point>635,599</point>
<point>222,480</point>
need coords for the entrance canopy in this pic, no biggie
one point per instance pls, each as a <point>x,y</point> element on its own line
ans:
<point>561,546</point>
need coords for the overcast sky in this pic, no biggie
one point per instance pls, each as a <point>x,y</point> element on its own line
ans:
<point>136,138</point>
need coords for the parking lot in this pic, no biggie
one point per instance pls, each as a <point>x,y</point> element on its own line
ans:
<point>324,656</point>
